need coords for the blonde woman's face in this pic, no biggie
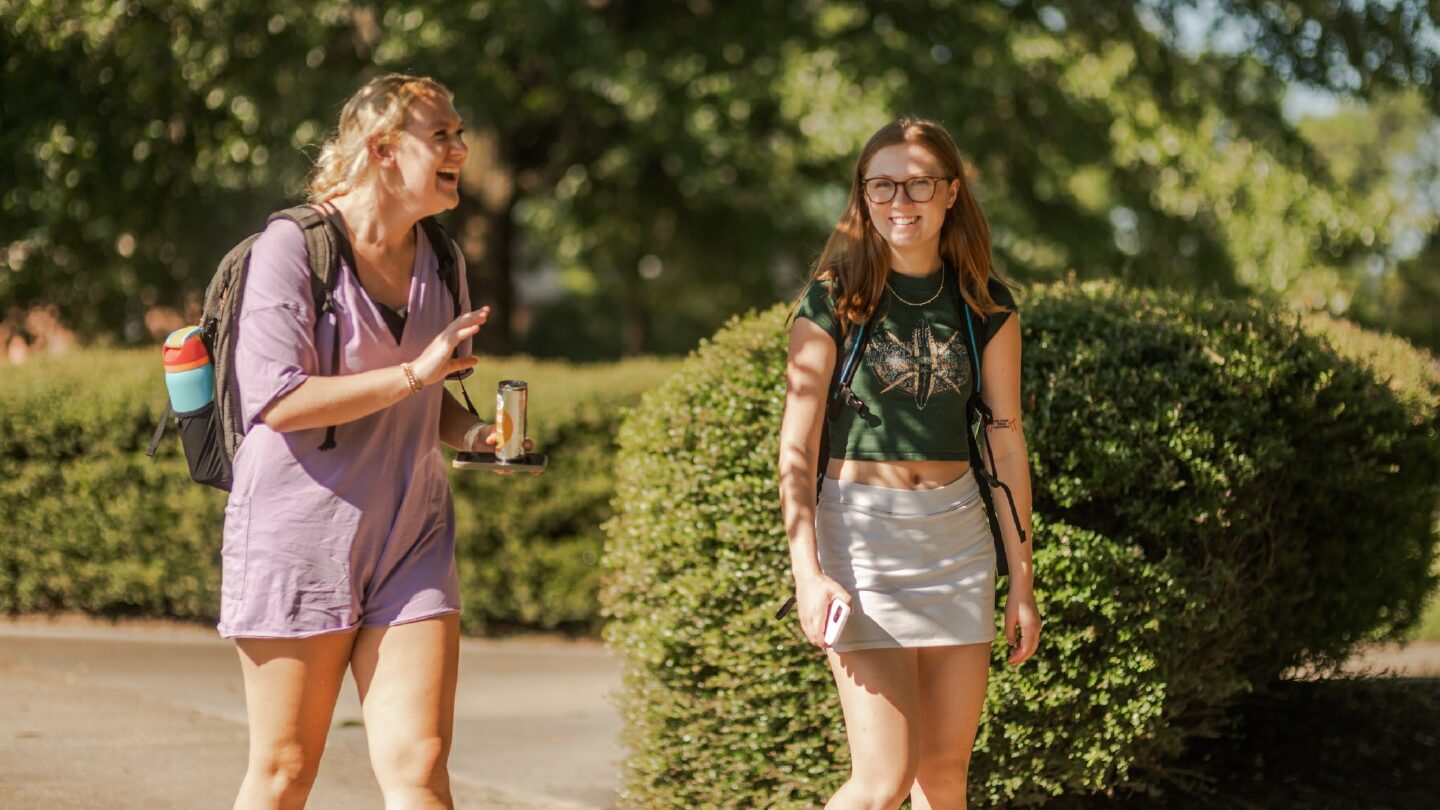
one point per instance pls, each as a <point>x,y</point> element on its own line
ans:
<point>427,155</point>
<point>904,222</point>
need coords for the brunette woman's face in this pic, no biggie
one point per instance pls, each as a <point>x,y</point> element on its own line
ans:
<point>424,159</point>
<point>906,224</point>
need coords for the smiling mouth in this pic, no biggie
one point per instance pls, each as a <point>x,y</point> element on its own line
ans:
<point>449,175</point>
<point>904,220</point>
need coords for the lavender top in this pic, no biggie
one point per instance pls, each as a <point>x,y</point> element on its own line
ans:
<point>385,481</point>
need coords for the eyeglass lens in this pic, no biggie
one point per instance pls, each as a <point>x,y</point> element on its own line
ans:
<point>882,189</point>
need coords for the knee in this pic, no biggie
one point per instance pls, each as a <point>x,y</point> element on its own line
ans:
<point>883,789</point>
<point>942,767</point>
<point>881,794</point>
<point>413,764</point>
<point>285,772</point>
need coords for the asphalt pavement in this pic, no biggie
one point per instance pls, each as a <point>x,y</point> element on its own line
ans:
<point>131,715</point>
<point>96,714</point>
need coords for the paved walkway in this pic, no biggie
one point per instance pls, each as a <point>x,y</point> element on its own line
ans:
<point>152,715</point>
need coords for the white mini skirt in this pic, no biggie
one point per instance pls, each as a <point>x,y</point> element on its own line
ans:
<point>919,564</point>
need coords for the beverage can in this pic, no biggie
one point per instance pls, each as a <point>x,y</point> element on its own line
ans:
<point>510,404</point>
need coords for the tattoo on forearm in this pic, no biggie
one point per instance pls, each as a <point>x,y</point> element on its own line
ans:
<point>1004,424</point>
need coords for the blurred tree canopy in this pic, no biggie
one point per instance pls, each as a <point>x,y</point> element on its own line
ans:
<point>661,165</point>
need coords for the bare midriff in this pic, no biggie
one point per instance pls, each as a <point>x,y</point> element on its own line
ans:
<point>897,474</point>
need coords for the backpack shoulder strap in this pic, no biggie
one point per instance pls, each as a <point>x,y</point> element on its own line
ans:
<point>847,361</point>
<point>449,266</point>
<point>325,244</point>
<point>978,411</point>
<point>977,347</point>
<point>847,351</point>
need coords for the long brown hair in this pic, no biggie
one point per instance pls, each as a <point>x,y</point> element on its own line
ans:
<point>856,259</point>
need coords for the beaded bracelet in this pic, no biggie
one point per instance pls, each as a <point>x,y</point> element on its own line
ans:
<point>410,378</point>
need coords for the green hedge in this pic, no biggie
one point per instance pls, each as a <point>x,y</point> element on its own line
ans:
<point>92,524</point>
<point>1297,465</point>
<point>1199,528</point>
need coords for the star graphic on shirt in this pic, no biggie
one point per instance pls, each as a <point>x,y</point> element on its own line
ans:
<point>921,366</point>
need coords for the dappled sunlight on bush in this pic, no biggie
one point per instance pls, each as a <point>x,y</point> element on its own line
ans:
<point>1219,496</point>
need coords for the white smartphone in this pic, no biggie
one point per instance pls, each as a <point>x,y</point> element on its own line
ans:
<point>835,617</point>
<point>531,463</point>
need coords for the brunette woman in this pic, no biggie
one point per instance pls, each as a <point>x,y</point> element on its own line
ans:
<point>899,532</point>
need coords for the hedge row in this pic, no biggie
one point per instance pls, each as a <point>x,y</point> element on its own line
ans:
<point>92,524</point>
<point>1221,492</point>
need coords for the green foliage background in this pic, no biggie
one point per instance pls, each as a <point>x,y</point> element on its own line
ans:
<point>710,143</point>
<point>92,524</point>
<point>1210,481</point>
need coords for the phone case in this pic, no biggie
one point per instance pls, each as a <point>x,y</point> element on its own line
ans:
<point>835,617</point>
<point>534,462</point>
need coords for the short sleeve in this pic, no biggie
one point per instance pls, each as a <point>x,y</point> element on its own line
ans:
<point>816,306</point>
<point>275,336</point>
<point>1002,296</point>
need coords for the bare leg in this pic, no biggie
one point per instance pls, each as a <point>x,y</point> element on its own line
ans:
<point>290,691</point>
<point>878,696</point>
<point>952,695</point>
<point>407,675</point>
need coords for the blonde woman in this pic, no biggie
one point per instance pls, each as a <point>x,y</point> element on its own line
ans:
<point>343,555</point>
<point>900,532</point>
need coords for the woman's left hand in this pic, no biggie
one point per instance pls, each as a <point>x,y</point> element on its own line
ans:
<point>1022,618</point>
<point>489,438</point>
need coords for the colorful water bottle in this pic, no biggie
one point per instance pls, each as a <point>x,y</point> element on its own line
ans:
<point>189,376</point>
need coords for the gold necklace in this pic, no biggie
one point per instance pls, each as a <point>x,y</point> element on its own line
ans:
<point>921,303</point>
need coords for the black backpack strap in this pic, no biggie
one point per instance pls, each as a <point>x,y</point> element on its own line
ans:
<point>449,267</point>
<point>981,416</point>
<point>449,270</point>
<point>325,244</point>
<point>847,361</point>
<point>160,429</point>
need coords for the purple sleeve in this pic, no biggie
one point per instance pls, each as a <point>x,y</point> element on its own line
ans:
<point>275,341</point>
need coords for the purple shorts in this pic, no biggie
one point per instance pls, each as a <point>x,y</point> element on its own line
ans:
<point>299,584</point>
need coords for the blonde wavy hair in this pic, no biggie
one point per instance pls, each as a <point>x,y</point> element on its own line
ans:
<point>375,114</point>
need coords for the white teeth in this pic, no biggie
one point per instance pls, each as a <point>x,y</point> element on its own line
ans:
<point>904,220</point>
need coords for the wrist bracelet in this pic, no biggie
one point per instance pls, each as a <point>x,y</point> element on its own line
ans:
<point>410,378</point>
<point>468,443</point>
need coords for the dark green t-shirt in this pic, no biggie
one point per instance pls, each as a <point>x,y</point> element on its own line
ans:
<point>915,375</point>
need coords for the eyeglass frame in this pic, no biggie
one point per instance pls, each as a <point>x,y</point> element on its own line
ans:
<point>865,187</point>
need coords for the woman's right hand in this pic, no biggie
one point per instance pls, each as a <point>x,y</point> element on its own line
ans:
<point>812,602</point>
<point>438,361</point>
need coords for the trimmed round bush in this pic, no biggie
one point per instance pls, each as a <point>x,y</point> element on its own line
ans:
<point>1185,529</point>
<point>1300,478</point>
<point>91,524</point>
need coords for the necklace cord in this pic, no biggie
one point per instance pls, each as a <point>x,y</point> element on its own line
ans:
<point>920,303</point>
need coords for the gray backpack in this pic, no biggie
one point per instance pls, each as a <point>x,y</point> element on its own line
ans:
<point>211,435</point>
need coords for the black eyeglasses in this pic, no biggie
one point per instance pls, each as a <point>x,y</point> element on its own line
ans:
<point>881,190</point>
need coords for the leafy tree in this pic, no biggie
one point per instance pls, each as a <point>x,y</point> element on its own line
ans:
<point>140,139</point>
<point>1104,147</point>
<point>673,163</point>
